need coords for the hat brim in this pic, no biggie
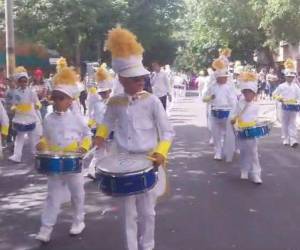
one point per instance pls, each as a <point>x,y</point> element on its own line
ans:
<point>100,90</point>
<point>64,91</point>
<point>134,72</point>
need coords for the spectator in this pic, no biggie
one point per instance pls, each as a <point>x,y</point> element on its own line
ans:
<point>3,84</point>
<point>272,81</point>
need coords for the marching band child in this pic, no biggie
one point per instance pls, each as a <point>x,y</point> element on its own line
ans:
<point>98,108</point>
<point>141,126</point>
<point>245,115</point>
<point>221,95</point>
<point>64,132</point>
<point>4,122</point>
<point>288,93</point>
<point>27,119</point>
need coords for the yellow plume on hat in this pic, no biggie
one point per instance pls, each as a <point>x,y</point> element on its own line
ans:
<point>219,64</point>
<point>20,69</point>
<point>102,73</point>
<point>65,76</point>
<point>248,76</point>
<point>61,63</point>
<point>225,52</point>
<point>123,43</point>
<point>289,64</point>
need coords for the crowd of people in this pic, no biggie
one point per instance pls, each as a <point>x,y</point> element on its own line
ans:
<point>119,117</point>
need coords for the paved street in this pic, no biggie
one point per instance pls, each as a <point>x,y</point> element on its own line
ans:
<point>208,208</point>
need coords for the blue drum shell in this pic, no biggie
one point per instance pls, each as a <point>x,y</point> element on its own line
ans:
<point>23,127</point>
<point>58,165</point>
<point>126,185</point>
<point>290,107</point>
<point>220,114</point>
<point>255,132</point>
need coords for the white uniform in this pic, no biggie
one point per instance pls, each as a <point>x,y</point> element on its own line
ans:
<point>138,123</point>
<point>29,98</point>
<point>160,83</point>
<point>4,122</point>
<point>289,129</point>
<point>249,161</point>
<point>61,130</point>
<point>225,97</point>
<point>96,113</point>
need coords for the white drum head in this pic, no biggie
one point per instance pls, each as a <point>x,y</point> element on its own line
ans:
<point>124,163</point>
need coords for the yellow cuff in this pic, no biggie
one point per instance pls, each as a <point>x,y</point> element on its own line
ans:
<point>86,143</point>
<point>43,141</point>
<point>102,131</point>
<point>207,98</point>
<point>38,105</point>
<point>91,123</point>
<point>4,130</point>
<point>163,148</point>
<point>277,97</point>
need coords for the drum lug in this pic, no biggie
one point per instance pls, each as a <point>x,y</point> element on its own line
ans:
<point>144,180</point>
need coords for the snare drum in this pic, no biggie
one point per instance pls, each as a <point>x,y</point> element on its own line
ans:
<point>220,113</point>
<point>260,130</point>
<point>56,164</point>
<point>23,127</point>
<point>125,176</point>
<point>291,107</point>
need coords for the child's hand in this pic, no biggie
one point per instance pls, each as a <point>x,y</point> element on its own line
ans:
<point>41,147</point>
<point>99,141</point>
<point>233,121</point>
<point>81,150</point>
<point>158,159</point>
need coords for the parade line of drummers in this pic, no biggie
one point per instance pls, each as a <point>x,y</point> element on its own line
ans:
<point>128,134</point>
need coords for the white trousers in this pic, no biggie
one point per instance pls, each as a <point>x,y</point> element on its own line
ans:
<point>139,220</point>
<point>33,136</point>
<point>249,156</point>
<point>56,196</point>
<point>218,130</point>
<point>289,127</point>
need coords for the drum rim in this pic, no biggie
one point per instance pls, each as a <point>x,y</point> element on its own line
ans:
<point>125,174</point>
<point>58,156</point>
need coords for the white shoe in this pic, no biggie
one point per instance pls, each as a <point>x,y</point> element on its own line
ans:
<point>211,141</point>
<point>244,175</point>
<point>218,157</point>
<point>14,158</point>
<point>77,228</point>
<point>286,142</point>
<point>257,179</point>
<point>294,144</point>
<point>44,234</point>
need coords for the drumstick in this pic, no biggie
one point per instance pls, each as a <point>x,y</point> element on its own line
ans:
<point>91,151</point>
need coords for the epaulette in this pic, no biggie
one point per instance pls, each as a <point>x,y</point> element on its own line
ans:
<point>118,101</point>
<point>143,95</point>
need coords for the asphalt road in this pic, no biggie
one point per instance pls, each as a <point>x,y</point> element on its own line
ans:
<point>208,207</point>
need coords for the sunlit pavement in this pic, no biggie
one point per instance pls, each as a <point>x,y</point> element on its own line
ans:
<point>208,207</point>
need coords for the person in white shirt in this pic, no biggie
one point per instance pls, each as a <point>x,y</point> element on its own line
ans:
<point>97,111</point>
<point>27,118</point>
<point>64,132</point>
<point>141,126</point>
<point>222,97</point>
<point>160,84</point>
<point>288,93</point>
<point>4,123</point>
<point>245,115</point>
